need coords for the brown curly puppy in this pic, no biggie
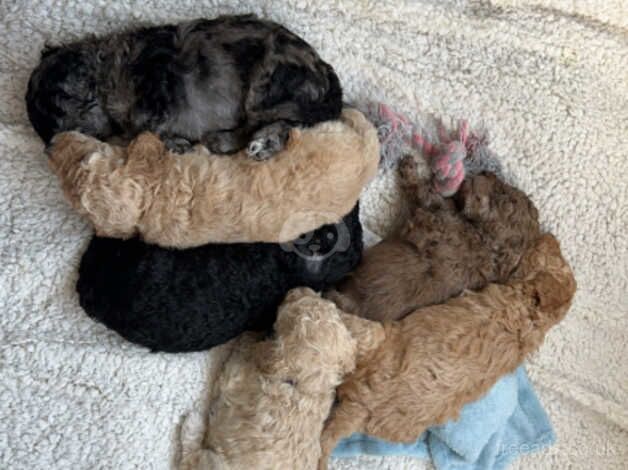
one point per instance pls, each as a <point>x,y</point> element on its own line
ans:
<point>420,371</point>
<point>446,246</point>
<point>269,404</point>
<point>196,198</point>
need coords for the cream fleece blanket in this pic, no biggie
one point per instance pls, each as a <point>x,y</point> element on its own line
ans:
<point>549,79</point>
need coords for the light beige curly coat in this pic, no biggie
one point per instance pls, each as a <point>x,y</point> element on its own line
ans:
<point>196,198</point>
<point>270,401</point>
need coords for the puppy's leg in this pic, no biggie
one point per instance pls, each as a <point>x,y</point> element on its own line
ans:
<point>269,106</point>
<point>346,419</point>
<point>409,175</point>
<point>419,193</point>
<point>290,84</point>
<point>177,145</point>
<point>191,439</point>
<point>414,192</point>
<point>268,140</point>
<point>226,142</point>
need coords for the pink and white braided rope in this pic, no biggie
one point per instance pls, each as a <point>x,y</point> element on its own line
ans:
<point>446,157</point>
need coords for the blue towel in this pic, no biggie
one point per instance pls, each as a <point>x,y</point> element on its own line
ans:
<point>489,434</point>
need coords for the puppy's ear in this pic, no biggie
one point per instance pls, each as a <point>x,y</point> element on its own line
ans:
<point>549,293</point>
<point>297,309</point>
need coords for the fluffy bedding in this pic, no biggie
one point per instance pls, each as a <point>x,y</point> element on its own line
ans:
<point>547,79</point>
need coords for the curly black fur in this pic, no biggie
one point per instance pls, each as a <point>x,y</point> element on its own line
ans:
<point>219,82</point>
<point>195,299</point>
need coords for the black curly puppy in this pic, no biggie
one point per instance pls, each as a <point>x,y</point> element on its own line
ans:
<point>189,300</point>
<point>226,82</point>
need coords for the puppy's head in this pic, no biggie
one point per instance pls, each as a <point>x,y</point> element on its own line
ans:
<point>485,197</point>
<point>84,166</point>
<point>324,256</point>
<point>314,348</point>
<point>473,198</point>
<point>61,94</point>
<point>68,148</point>
<point>505,215</point>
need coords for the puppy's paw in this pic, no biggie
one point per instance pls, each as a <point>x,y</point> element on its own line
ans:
<point>408,170</point>
<point>192,431</point>
<point>268,141</point>
<point>177,144</point>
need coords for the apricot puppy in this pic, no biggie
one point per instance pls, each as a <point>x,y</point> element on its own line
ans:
<point>422,370</point>
<point>196,198</point>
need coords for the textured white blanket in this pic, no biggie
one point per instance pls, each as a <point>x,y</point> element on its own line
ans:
<point>548,78</point>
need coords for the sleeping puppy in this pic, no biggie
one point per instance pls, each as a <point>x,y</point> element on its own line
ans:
<point>194,299</point>
<point>187,200</point>
<point>420,371</point>
<point>226,83</point>
<point>446,246</point>
<point>270,400</point>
